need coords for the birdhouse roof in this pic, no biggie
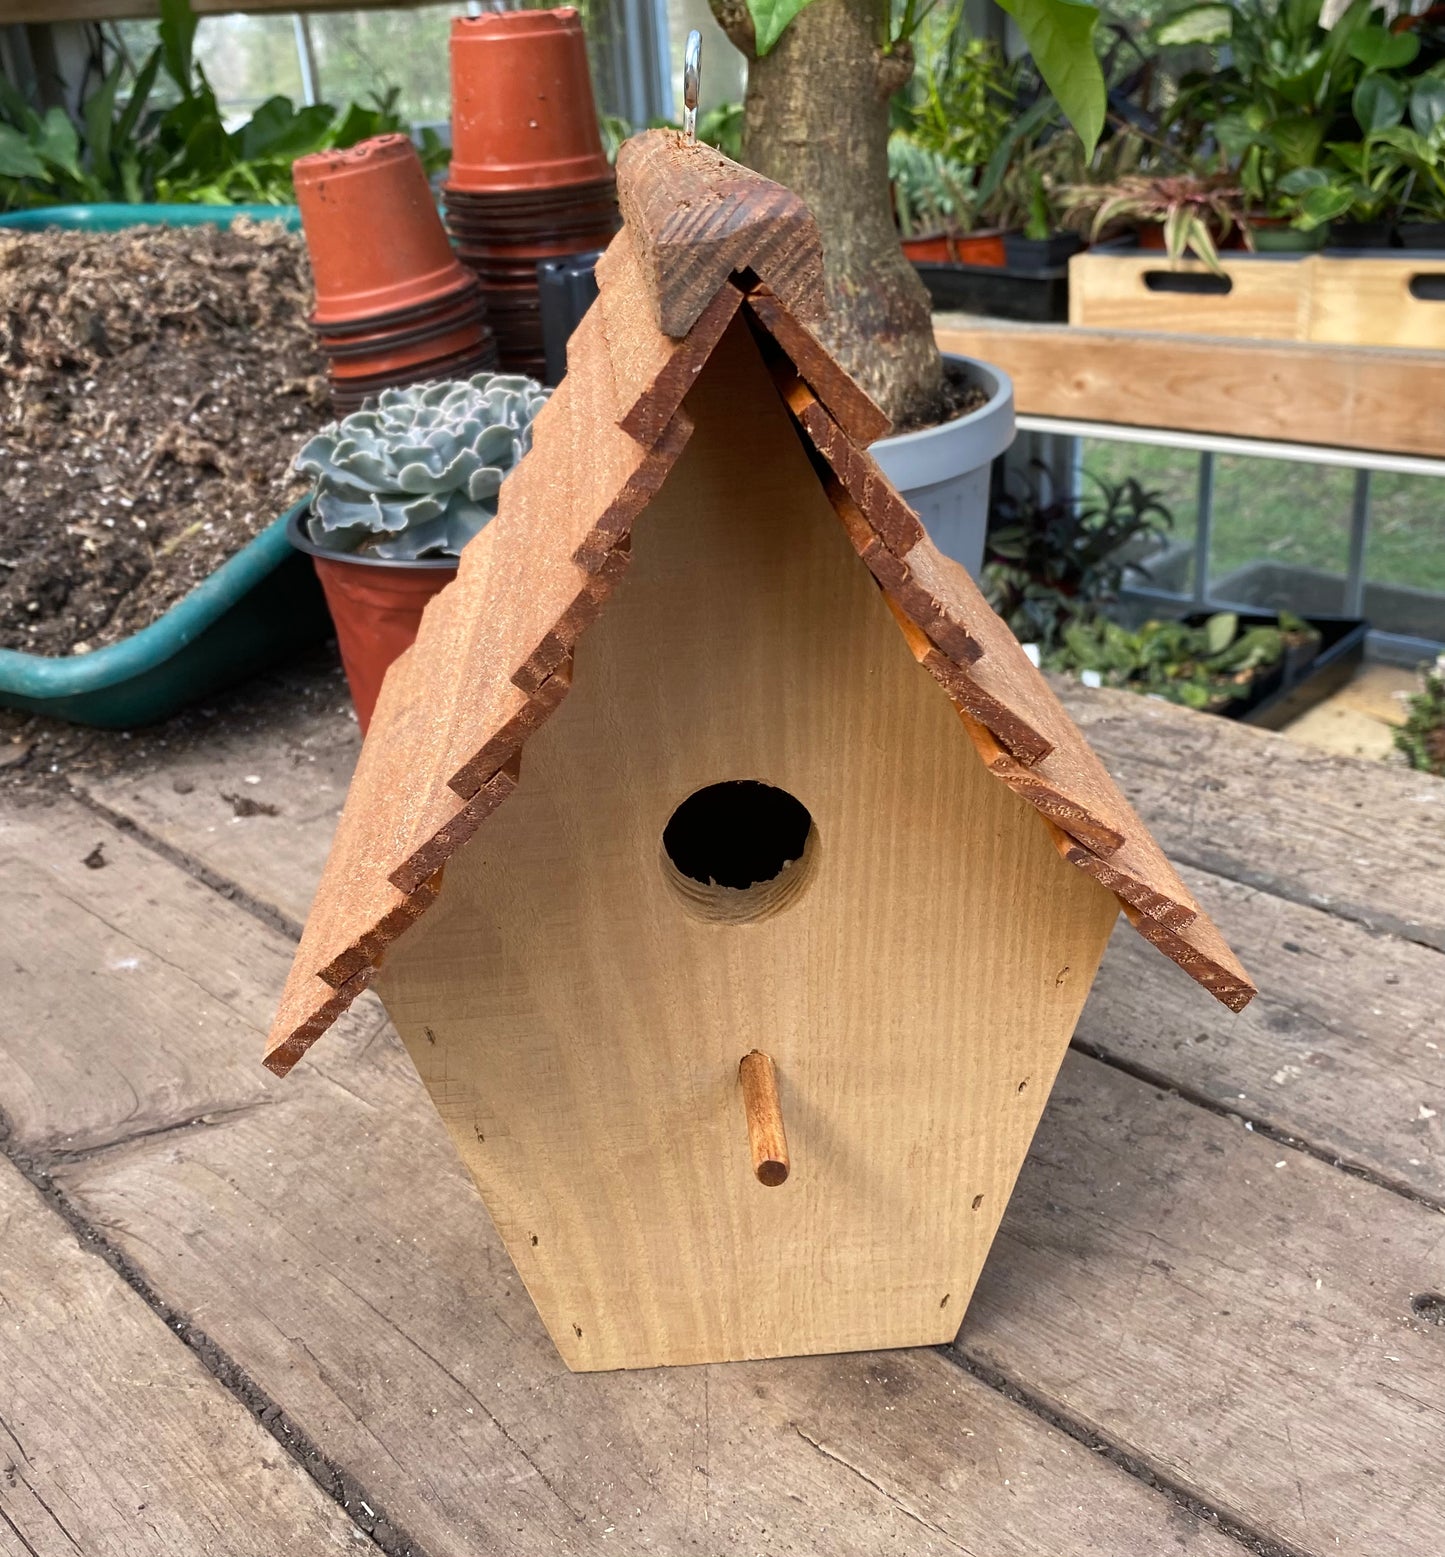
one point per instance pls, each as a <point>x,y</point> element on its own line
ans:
<point>704,242</point>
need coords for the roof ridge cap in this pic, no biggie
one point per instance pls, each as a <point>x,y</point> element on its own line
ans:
<point>695,217</point>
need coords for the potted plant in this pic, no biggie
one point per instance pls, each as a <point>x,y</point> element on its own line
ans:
<point>400,490</point>
<point>1421,739</point>
<point>949,121</point>
<point>821,75</point>
<point>1050,561</point>
<point>933,200</point>
<point>1214,664</point>
<point>1181,213</point>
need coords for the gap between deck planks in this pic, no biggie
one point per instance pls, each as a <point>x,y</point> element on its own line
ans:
<point>295,1251</point>
<point>113,1437</point>
<point>1336,1050</point>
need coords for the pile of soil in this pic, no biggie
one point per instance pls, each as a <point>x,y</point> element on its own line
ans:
<point>155,385</point>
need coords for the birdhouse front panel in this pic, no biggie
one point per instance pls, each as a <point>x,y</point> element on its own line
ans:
<point>752,825</point>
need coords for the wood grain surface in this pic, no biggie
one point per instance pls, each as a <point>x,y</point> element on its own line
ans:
<point>1343,396</point>
<point>135,997</point>
<point>696,217</point>
<point>562,980</point>
<point>846,400</point>
<point>1236,1314</point>
<point>1333,832</point>
<point>337,1249</point>
<point>1154,1282</point>
<point>113,1437</point>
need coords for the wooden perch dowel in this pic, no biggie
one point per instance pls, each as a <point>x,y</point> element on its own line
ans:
<point>766,1136</point>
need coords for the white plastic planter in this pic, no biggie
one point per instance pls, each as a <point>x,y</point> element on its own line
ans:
<point>943,472</point>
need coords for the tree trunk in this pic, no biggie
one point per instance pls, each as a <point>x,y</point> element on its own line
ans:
<point>817,121</point>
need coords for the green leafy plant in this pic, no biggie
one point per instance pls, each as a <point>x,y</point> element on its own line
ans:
<point>931,191</point>
<point>1049,563</point>
<point>419,475</point>
<point>1196,210</point>
<point>1421,738</point>
<point>1205,667</point>
<point>962,96</point>
<point>1059,35</point>
<point>1308,118</point>
<point>134,147</point>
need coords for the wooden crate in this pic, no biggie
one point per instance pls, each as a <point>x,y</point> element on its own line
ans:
<point>1266,297</point>
<point>1394,300</point>
<point>1387,299</point>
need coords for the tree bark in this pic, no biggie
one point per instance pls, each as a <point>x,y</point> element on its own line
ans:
<point>817,121</point>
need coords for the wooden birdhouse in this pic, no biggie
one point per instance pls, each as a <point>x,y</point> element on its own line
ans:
<point>775,874</point>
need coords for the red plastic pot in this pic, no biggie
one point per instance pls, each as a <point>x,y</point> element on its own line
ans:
<point>980,248</point>
<point>969,248</point>
<point>523,113</point>
<point>388,357</point>
<point>376,608</point>
<point>933,250</point>
<point>376,240</point>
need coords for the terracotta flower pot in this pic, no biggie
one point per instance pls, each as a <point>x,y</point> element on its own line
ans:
<point>523,113</point>
<point>935,249</point>
<point>350,394</point>
<point>401,352</point>
<point>376,240</point>
<point>980,248</point>
<point>376,608</point>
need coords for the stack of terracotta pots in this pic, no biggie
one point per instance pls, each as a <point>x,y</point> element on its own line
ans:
<point>529,179</point>
<point>394,306</point>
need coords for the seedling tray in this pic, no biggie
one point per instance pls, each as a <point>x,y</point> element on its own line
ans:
<point>1034,296</point>
<point>1307,675</point>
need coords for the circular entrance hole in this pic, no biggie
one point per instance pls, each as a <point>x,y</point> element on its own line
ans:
<point>738,851</point>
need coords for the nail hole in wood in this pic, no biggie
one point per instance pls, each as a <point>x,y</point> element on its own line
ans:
<point>1430,1306</point>
<point>977,1201</point>
<point>946,1296</point>
<point>738,851</point>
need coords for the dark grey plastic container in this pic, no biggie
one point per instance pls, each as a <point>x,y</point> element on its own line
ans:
<point>943,472</point>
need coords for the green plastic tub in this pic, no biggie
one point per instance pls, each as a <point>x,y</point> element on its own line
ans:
<point>262,606</point>
<point>111,218</point>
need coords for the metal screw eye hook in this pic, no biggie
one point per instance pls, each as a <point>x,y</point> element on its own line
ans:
<point>691,68</point>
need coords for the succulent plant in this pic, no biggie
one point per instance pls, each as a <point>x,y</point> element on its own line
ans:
<point>419,475</point>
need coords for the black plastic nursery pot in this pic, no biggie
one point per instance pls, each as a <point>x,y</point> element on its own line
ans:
<point>1350,237</point>
<point>1000,292</point>
<point>1307,674</point>
<point>1032,254</point>
<point>1422,235</point>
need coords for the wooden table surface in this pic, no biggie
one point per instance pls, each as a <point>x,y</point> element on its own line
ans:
<point>244,1316</point>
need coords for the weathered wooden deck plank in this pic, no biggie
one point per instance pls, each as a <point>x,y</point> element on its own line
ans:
<point>135,996</point>
<point>260,813</point>
<point>1344,1046</point>
<point>337,1251</point>
<point>1339,833</point>
<point>113,1438</point>
<point>1235,1314</point>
